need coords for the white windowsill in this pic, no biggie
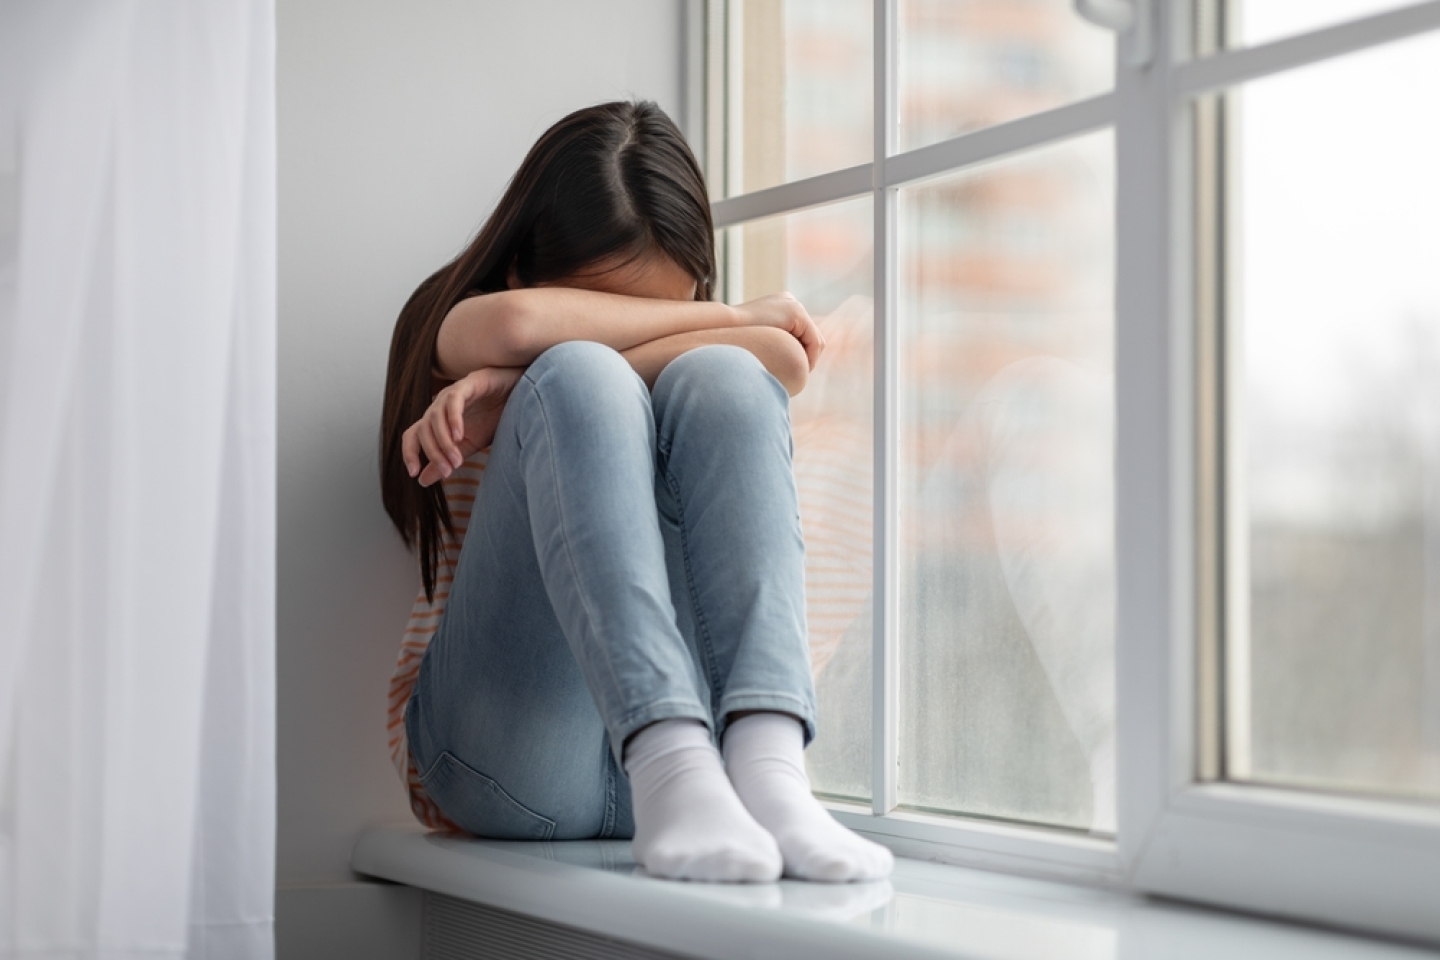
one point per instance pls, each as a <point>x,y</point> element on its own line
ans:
<point>925,910</point>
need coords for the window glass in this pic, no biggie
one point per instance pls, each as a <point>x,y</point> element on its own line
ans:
<point>824,258</point>
<point>966,64</point>
<point>1261,21</point>
<point>1339,312</point>
<point>799,90</point>
<point>1006,483</point>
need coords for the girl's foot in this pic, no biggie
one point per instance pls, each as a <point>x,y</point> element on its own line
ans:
<point>689,825</point>
<point>765,759</point>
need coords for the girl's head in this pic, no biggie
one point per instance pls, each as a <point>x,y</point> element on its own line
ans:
<point>608,189</point>
<point>604,187</point>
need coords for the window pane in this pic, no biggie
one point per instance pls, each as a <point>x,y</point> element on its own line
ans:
<point>1006,545</point>
<point>966,64</point>
<point>799,90</point>
<point>823,257</point>
<point>1264,20</point>
<point>1340,397</point>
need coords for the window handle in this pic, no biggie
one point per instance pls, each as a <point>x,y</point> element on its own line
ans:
<point>1123,16</point>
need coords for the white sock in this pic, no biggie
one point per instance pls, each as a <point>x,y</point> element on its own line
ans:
<point>765,758</point>
<point>689,824</point>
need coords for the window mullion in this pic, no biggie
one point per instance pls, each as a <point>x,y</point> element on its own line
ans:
<point>1152,427</point>
<point>884,731</point>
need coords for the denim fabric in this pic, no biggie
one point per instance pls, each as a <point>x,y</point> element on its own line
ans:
<point>633,557</point>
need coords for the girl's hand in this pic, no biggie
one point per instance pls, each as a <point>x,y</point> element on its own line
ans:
<point>784,312</point>
<point>462,419</point>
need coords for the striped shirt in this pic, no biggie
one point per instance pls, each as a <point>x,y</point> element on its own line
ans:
<point>460,489</point>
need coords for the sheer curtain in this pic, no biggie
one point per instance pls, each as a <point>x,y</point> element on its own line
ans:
<point>137,405</point>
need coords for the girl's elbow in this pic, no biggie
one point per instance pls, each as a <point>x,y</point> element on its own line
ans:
<point>483,331</point>
<point>510,333</point>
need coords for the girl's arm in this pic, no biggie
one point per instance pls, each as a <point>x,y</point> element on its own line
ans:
<point>778,351</point>
<point>463,416</point>
<point>513,327</point>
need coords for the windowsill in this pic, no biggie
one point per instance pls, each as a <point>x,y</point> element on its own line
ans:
<point>925,910</point>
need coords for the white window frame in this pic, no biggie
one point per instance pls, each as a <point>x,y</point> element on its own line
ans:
<point>1368,864</point>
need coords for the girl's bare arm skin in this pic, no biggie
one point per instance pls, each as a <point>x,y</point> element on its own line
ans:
<point>645,310</point>
<point>622,308</point>
<point>465,413</point>
<point>779,352</point>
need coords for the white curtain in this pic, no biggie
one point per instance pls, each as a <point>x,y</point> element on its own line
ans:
<point>137,438</point>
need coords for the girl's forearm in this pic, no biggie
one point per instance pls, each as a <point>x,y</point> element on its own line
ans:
<point>778,351</point>
<point>513,327</point>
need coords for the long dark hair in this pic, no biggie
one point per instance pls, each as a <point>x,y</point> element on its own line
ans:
<point>609,183</point>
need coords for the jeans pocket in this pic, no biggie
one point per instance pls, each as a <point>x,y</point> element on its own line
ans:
<point>479,804</point>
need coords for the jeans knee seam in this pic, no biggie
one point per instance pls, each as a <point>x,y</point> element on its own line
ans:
<point>565,539</point>
<point>702,627</point>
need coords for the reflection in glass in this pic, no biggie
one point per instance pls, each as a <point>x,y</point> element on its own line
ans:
<point>966,64</point>
<point>1006,545</point>
<point>799,90</point>
<point>1340,453</point>
<point>823,257</point>
<point>1264,20</point>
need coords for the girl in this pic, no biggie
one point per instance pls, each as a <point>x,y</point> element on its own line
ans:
<point>625,587</point>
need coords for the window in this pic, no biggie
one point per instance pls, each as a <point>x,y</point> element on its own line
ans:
<point>1005,553</point>
<point>1334,522</point>
<point>1122,475</point>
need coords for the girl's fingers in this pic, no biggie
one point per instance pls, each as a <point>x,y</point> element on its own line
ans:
<point>812,341</point>
<point>439,420</point>
<point>440,430</point>
<point>410,451</point>
<point>455,412</point>
<point>433,452</point>
<point>438,434</point>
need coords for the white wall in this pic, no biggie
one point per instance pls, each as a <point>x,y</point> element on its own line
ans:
<point>400,123</point>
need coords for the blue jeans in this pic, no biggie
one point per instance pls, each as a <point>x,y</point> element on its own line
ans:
<point>632,557</point>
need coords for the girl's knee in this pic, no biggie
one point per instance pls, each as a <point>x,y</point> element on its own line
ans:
<point>727,378</point>
<point>585,373</point>
<point>716,360</point>
<point>583,361</point>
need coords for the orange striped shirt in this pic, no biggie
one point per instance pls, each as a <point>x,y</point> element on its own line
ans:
<point>460,488</point>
